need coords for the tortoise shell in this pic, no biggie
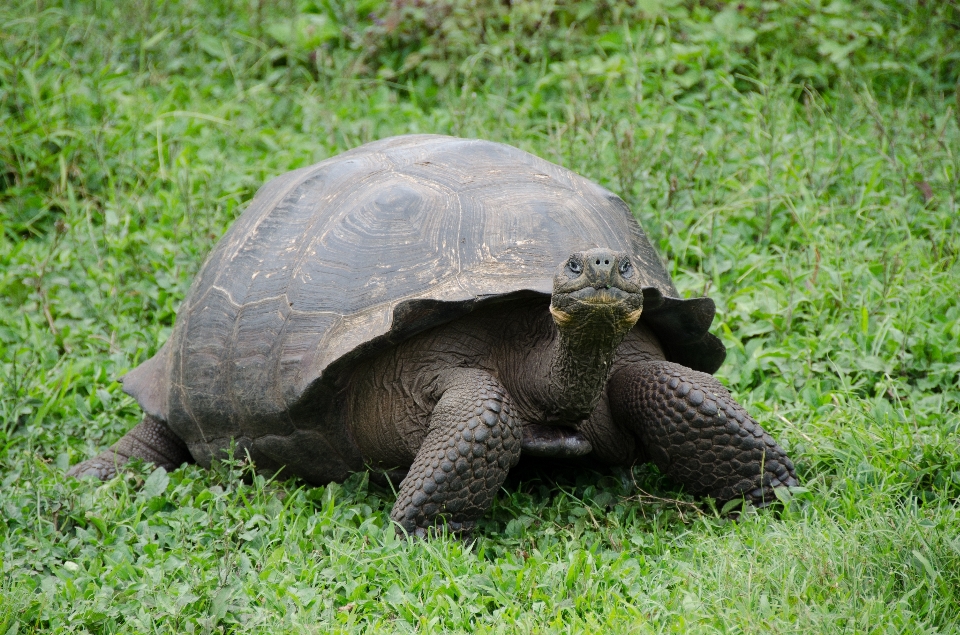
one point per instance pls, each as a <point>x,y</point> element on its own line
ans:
<point>345,258</point>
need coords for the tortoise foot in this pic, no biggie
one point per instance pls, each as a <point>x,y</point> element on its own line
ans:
<point>102,467</point>
<point>462,530</point>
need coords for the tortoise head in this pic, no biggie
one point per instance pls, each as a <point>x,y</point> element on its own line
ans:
<point>597,287</point>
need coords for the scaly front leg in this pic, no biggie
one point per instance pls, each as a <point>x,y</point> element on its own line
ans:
<point>695,432</point>
<point>473,441</point>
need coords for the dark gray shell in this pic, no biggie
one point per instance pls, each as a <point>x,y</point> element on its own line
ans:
<point>343,258</point>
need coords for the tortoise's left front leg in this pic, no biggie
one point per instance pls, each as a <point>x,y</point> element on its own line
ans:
<point>694,431</point>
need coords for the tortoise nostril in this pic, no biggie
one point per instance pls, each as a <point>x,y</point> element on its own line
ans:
<point>598,262</point>
<point>606,262</point>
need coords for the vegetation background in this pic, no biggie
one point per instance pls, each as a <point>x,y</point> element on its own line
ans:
<point>797,161</point>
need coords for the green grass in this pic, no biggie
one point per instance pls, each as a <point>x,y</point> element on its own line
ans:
<point>798,162</point>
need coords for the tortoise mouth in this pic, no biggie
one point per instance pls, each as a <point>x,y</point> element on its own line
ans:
<point>604,295</point>
<point>609,305</point>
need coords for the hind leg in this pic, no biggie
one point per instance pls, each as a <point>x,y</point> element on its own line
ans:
<point>695,432</point>
<point>151,440</point>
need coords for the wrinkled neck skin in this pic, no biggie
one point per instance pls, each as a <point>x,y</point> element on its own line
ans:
<point>580,358</point>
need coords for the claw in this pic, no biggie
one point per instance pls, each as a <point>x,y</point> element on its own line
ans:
<point>97,468</point>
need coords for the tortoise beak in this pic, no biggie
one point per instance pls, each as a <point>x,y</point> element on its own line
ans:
<point>601,295</point>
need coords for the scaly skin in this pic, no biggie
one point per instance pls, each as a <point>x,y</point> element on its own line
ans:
<point>473,442</point>
<point>150,440</point>
<point>695,432</point>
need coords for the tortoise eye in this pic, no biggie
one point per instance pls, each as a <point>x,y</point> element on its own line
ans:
<point>626,267</point>
<point>575,265</point>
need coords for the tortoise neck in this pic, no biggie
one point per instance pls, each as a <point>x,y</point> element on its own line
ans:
<point>581,359</point>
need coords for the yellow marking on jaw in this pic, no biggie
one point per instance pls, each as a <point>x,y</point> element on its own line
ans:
<point>560,317</point>
<point>600,297</point>
<point>632,318</point>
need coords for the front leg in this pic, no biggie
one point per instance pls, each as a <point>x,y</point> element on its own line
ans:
<point>695,432</point>
<point>473,441</point>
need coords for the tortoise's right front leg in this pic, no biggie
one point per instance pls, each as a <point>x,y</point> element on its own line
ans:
<point>151,440</point>
<point>473,441</point>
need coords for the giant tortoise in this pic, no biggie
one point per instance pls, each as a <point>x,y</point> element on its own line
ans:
<point>435,308</point>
